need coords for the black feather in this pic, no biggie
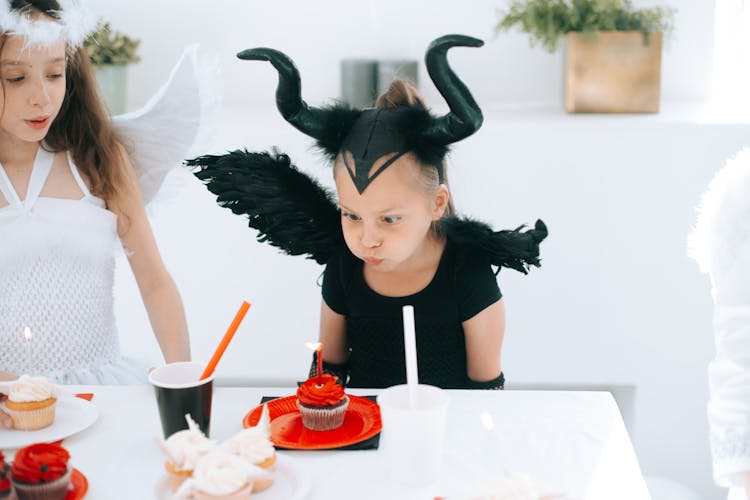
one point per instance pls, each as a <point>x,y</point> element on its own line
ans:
<point>412,123</point>
<point>514,249</point>
<point>289,209</point>
<point>339,119</point>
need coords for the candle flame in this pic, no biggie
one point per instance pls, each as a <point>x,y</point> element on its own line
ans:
<point>27,333</point>
<point>487,422</point>
<point>313,345</point>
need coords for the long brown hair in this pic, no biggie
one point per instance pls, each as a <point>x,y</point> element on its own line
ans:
<point>82,126</point>
<point>403,93</point>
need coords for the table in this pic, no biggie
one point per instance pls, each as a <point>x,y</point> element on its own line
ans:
<point>565,441</point>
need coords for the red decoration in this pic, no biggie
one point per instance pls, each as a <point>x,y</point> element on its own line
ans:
<point>40,463</point>
<point>320,391</point>
<point>320,363</point>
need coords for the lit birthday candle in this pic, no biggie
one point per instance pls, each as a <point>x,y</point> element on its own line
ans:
<point>27,337</point>
<point>318,348</point>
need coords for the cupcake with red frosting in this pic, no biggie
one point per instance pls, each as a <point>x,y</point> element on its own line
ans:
<point>40,472</point>
<point>6,488</point>
<point>322,403</point>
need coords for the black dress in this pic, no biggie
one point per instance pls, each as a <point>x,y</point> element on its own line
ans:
<point>463,286</point>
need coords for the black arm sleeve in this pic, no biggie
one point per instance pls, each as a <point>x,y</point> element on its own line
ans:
<point>496,384</point>
<point>476,286</point>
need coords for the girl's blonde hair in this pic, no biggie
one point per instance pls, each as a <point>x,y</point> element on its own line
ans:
<point>404,93</point>
<point>83,125</point>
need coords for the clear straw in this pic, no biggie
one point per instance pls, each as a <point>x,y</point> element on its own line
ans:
<point>410,348</point>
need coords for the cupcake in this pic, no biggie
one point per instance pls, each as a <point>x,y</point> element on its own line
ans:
<point>254,445</point>
<point>40,472</point>
<point>31,403</point>
<point>220,474</point>
<point>184,449</point>
<point>7,492</point>
<point>322,403</point>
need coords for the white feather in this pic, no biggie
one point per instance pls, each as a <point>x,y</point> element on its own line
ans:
<point>723,224</point>
<point>75,23</point>
<point>173,123</point>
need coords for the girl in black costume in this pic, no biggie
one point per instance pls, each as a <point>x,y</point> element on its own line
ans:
<point>392,238</point>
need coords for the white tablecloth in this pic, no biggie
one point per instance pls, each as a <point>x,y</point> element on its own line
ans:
<point>572,442</point>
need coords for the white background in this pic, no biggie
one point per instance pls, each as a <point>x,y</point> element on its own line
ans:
<point>616,304</point>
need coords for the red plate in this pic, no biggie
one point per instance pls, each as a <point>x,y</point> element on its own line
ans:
<point>361,422</point>
<point>78,486</point>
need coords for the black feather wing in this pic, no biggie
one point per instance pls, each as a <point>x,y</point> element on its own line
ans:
<point>290,209</point>
<point>514,249</point>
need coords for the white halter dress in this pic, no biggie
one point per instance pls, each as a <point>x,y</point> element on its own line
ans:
<point>57,259</point>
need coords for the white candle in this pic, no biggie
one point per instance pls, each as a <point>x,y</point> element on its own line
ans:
<point>27,336</point>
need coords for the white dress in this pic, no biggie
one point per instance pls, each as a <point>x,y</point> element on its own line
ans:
<point>57,256</point>
<point>721,245</point>
<point>56,277</point>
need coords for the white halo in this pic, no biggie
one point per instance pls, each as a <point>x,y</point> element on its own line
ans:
<point>75,23</point>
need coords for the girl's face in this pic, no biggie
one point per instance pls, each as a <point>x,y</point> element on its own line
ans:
<point>388,223</point>
<point>33,80</point>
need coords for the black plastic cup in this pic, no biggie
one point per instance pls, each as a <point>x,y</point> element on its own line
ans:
<point>179,393</point>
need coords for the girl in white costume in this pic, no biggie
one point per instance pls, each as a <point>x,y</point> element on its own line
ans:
<point>721,245</point>
<point>69,195</point>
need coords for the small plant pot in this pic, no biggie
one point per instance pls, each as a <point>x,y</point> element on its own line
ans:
<point>619,72</point>
<point>112,80</point>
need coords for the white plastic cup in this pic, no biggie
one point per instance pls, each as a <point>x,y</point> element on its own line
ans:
<point>412,436</point>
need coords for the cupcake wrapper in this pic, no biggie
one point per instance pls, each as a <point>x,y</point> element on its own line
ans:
<point>55,490</point>
<point>323,419</point>
<point>32,419</point>
<point>9,495</point>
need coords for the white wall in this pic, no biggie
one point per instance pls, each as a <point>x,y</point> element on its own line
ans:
<point>318,34</point>
<point>616,301</point>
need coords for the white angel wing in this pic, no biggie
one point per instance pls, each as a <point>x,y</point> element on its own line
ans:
<point>723,225</point>
<point>160,135</point>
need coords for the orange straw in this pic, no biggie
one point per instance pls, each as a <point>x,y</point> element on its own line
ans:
<point>211,366</point>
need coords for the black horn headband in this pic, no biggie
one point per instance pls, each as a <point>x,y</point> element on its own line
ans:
<point>364,136</point>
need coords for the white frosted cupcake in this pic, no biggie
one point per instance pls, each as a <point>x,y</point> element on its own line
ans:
<point>184,449</point>
<point>254,445</point>
<point>31,403</point>
<point>221,475</point>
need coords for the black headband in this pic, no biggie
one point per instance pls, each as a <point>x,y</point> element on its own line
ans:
<point>369,134</point>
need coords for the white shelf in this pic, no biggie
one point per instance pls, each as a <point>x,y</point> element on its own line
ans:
<point>249,116</point>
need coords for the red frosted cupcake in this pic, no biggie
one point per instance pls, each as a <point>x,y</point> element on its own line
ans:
<point>40,472</point>
<point>322,403</point>
<point>6,488</point>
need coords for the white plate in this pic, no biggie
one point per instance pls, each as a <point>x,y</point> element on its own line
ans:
<point>291,483</point>
<point>72,415</point>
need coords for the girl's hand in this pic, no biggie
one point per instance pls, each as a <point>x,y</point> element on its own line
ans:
<point>5,419</point>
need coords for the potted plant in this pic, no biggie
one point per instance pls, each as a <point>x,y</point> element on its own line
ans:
<point>613,61</point>
<point>110,52</point>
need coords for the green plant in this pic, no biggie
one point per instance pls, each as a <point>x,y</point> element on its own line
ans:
<point>106,46</point>
<point>547,21</point>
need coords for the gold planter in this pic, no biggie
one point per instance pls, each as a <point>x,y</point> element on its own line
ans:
<point>617,73</point>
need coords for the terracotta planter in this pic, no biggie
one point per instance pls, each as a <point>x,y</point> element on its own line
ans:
<point>617,73</point>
